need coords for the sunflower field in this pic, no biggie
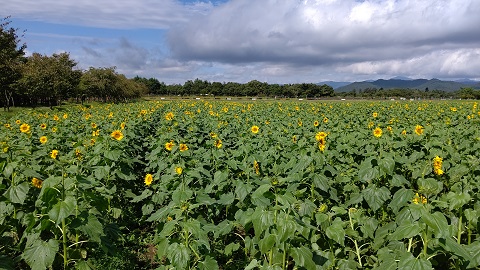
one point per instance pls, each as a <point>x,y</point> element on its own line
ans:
<point>198,184</point>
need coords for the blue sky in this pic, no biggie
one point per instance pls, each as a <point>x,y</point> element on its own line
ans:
<point>276,41</point>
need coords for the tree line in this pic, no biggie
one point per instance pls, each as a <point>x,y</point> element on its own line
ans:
<point>251,88</point>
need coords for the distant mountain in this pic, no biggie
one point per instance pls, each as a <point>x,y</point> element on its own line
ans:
<point>333,84</point>
<point>467,81</point>
<point>421,84</point>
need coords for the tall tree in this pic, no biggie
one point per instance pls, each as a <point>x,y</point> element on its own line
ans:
<point>11,55</point>
<point>49,78</point>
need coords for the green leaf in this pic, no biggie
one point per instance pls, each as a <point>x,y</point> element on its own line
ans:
<point>452,246</point>
<point>226,199</point>
<point>180,196</point>
<point>429,186</point>
<point>399,181</point>
<point>113,155</point>
<point>375,197</point>
<point>321,181</point>
<point>302,256</point>
<point>93,228</point>
<point>456,201</point>
<point>408,262</point>
<point>159,215</point>
<point>336,232</point>
<point>178,255</point>
<point>83,265</point>
<point>405,230</point>
<point>6,263</point>
<point>266,243</point>
<point>366,172</point>
<point>254,263</point>
<point>62,209</point>
<point>208,264</point>
<point>145,194</point>
<point>400,199</point>
<point>438,223</point>
<point>40,255</point>
<point>387,165</point>
<point>230,248</point>
<point>18,193</point>
<point>8,170</point>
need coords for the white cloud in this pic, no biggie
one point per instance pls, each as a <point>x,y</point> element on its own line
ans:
<point>120,14</point>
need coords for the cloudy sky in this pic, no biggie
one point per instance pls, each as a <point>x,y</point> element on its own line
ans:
<point>275,41</point>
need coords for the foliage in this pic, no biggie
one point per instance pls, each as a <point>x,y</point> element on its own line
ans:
<point>11,55</point>
<point>228,185</point>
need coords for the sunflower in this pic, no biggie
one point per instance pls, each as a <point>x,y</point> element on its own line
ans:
<point>325,120</point>
<point>54,154</point>
<point>169,145</point>
<point>43,126</point>
<point>55,117</point>
<point>375,114</point>
<point>43,139</point>
<point>93,125</point>
<point>148,179</point>
<point>255,129</point>
<point>218,143</point>
<point>179,170</point>
<point>256,166</point>
<point>18,121</point>
<point>37,182</point>
<point>315,123</point>
<point>320,136</point>
<point>117,135</point>
<point>418,130</point>
<point>169,116</point>
<point>213,135</point>
<point>24,128</point>
<point>183,147</point>
<point>377,132</point>
<point>404,132</point>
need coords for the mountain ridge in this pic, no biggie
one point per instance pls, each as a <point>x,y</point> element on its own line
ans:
<point>404,83</point>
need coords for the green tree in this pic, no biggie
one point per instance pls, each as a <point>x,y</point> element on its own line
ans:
<point>49,78</point>
<point>11,55</point>
<point>99,83</point>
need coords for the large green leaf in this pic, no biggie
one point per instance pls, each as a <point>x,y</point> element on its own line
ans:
<point>400,199</point>
<point>40,254</point>
<point>405,230</point>
<point>408,262</point>
<point>387,165</point>
<point>62,209</point>
<point>17,193</point>
<point>375,197</point>
<point>178,255</point>
<point>336,231</point>
<point>208,264</point>
<point>438,223</point>
<point>302,256</point>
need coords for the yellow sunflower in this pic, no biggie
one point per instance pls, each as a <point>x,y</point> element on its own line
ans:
<point>419,130</point>
<point>117,135</point>
<point>24,128</point>
<point>37,182</point>
<point>43,139</point>
<point>148,179</point>
<point>169,145</point>
<point>255,129</point>
<point>377,132</point>
<point>54,154</point>
<point>183,147</point>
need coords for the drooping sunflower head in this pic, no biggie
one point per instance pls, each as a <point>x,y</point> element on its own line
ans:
<point>218,143</point>
<point>37,182</point>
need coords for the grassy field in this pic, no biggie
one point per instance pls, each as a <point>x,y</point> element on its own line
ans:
<point>241,184</point>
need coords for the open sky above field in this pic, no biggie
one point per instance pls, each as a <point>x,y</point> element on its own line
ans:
<point>276,41</point>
